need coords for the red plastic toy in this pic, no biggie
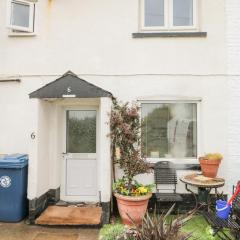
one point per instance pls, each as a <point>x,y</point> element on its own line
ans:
<point>235,194</point>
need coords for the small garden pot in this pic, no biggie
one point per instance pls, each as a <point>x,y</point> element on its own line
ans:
<point>209,167</point>
<point>135,207</point>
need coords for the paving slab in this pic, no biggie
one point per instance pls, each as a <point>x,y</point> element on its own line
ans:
<point>54,236</point>
<point>22,231</point>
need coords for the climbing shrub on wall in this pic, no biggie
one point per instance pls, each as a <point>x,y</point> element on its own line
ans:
<point>125,125</point>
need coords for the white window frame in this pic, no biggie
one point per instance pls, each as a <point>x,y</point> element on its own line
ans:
<point>31,5</point>
<point>173,100</point>
<point>168,18</point>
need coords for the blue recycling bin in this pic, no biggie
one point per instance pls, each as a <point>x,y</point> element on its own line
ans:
<point>13,187</point>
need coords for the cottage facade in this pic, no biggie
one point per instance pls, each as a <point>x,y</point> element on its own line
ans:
<point>176,60</point>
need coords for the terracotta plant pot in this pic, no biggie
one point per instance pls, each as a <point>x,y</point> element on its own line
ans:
<point>209,167</point>
<point>135,207</point>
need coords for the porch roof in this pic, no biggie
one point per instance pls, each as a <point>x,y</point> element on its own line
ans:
<point>70,85</point>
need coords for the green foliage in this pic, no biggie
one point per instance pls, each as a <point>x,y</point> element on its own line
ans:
<point>121,186</point>
<point>111,232</point>
<point>159,227</point>
<point>200,229</point>
<point>125,135</point>
<point>196,225</point>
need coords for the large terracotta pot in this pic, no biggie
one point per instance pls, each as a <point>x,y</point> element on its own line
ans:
<point>135,207</point>
<point>209,167</point>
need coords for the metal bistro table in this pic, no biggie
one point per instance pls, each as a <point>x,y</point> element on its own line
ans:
<point>204,185</point>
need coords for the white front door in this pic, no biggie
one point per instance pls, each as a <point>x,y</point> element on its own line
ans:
<point>80,162</point>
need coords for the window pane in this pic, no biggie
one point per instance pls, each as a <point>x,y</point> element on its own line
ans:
<point>81,131</point>
<point>20,14</point>
<point>154,13</point>
<point>182,12</point>
<point>169,130</point>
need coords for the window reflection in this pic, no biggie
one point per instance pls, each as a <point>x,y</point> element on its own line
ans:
<point>169,130</point>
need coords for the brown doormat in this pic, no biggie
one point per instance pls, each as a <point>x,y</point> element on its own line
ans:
<point>55,215</point>
<point>55,236</point>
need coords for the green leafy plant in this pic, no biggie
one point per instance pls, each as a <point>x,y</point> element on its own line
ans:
<point>111,232</point>
<point>125,126</point>
<point>159,227</point>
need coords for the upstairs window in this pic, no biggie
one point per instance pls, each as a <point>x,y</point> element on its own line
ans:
<point>167,15</point>
<point>20,17</point>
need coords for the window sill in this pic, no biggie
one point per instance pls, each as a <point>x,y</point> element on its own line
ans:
<point>191,167</point>
<point>168,34</point>
<point>21,34</point>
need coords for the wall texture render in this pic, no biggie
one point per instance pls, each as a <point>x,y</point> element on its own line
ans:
<point>233,64</point>
<point>213,118</point>
<point>101,50</point>
<point>95,37</point>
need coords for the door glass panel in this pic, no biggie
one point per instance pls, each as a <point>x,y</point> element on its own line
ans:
<point>81,131</point>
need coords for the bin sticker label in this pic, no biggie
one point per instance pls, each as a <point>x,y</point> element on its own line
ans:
<point>5,181</point>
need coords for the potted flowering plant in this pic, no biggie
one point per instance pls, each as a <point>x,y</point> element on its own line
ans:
<point>132,197</point>
<point>210,163</point>
<point>121,186</point>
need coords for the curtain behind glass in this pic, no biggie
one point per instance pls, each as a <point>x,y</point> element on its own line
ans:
<point>169,130</point>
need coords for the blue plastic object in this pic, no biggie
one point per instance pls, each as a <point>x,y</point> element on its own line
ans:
<point>13,187</point>
<point>14,161</point>
<point>222,209</point>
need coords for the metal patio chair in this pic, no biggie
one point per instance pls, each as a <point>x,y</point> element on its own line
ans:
<point>166,177</point>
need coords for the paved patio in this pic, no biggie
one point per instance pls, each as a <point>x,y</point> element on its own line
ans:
<point>21,231</point>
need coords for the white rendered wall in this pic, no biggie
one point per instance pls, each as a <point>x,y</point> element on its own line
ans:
<point>213,118</point>
<point>233,47</point>
<point>50,143</point>
<point>43,148</point>
<point>104,161</point>
<point>95,37</point>
<point>56,143</point>
<point>213,108</point>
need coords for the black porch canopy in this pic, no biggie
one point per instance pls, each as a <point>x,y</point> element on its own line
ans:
<point>70,86</point>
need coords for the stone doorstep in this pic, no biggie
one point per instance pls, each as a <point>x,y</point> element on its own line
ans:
<point>70,216</point>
